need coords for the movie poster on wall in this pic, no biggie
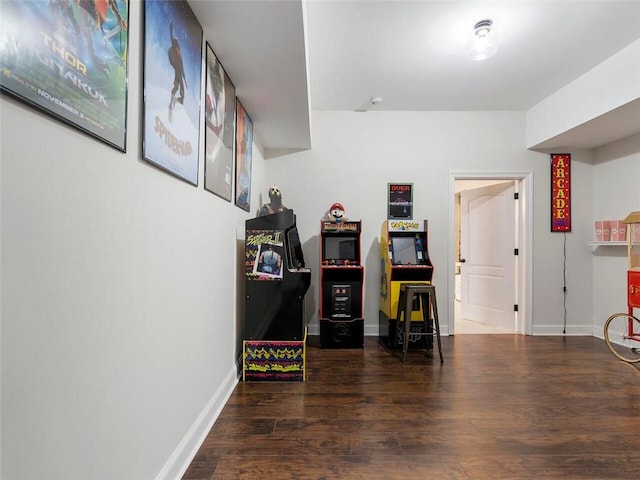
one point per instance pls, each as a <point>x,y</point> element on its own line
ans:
<point>244,146</point>
<point>220,112</point>
<point>69,59</point>
<point>172,87</point>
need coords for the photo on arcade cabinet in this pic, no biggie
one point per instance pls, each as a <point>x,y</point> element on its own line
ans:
<point>172,79</point>
<point>220,113</point>
<point>269,261</point>
<point>70,61</point>
<point>400,201</point>
<point>243,151</point>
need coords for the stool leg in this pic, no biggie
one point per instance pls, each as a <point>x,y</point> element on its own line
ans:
<point>436,322</point>
<point>426,319</point>
<point>408,309</point>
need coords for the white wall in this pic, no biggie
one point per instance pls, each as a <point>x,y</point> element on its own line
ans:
<point>356,154</point>
<point>550,259</point>
<point>118,302</point>
<point>616,193</point>
<point>612,84</point>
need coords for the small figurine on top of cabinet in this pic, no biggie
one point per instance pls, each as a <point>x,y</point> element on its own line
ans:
<point>275,205</point>
<point>336,213</point>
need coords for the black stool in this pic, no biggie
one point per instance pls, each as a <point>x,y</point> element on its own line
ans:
<point>427,295</point>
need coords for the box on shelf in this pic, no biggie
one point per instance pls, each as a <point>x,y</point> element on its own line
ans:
<point>618,231</point>
<point>603,230</point>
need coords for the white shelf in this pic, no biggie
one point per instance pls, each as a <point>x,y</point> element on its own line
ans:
<point>607,244</point>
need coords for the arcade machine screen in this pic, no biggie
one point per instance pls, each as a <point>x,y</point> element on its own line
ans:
<point>340,249</point>
<point>404,250</point>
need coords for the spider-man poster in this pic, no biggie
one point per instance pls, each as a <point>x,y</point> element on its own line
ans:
<point>172,79</point>
<point>69,58</point>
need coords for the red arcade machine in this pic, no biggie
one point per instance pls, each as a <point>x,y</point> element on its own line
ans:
<point>341,276</point>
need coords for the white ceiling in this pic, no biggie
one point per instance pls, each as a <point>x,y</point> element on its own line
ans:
<point>409,53</point>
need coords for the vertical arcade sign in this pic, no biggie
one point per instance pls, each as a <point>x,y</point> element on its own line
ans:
<point>560,192</point>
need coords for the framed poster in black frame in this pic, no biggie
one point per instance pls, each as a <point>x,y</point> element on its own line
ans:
<point>172,87</point>
<point>244,146</point>
<point>220,121</point>
<point>400,201</point>
<point>69,59</point>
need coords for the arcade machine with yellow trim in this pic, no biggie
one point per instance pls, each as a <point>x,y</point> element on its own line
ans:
<point>404,255</point>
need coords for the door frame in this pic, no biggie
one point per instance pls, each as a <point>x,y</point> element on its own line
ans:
<point>524,227</point>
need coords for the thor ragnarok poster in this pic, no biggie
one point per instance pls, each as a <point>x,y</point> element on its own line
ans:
<point>69,59</point>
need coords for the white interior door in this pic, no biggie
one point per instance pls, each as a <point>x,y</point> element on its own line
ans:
<point>487,244</point>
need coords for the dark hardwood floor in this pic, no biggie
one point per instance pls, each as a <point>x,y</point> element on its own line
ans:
<point>500,407</point>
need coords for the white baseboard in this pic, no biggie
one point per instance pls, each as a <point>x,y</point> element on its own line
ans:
<point>556,330</point>
<point>371,330</point>
<point>186,450</point>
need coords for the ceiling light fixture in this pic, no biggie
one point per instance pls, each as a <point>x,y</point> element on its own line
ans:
<point>483,42</point>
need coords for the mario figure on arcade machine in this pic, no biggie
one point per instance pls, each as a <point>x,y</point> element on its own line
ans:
<point>336,213</point>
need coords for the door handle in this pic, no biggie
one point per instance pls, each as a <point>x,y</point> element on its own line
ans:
<point>462,260</point>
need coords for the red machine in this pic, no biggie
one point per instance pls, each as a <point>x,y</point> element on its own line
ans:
<point>341,278</point>
<point>622,330</point>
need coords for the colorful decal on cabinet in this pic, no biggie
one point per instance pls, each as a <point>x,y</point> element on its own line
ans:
<point>265,360</point>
